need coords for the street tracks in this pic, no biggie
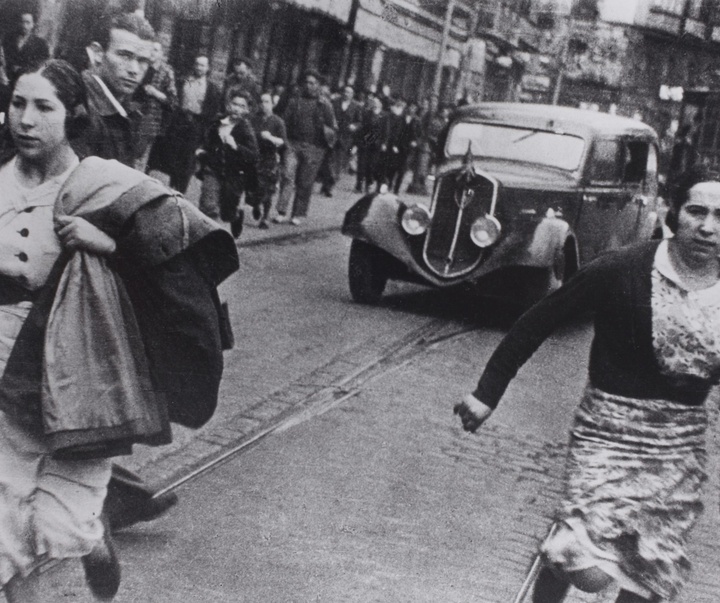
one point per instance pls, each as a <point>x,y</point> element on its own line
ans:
<point>308,397</point>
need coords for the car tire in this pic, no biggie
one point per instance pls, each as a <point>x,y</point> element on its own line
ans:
<point>530,284</point>
<point>367,273</point>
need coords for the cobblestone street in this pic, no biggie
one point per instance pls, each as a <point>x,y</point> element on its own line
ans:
<point>347,477</point>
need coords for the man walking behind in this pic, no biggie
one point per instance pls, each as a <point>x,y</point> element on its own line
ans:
<point>24,48</point>
<point>200,102</point>
<point>311,131</point>
<point>348,113</point>
<point>271,138</point>
<point>242,78</point>
<point>121,55</point>
<point>157,96</point>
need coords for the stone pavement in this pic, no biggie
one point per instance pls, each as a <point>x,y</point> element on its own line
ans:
<point>517,475</point>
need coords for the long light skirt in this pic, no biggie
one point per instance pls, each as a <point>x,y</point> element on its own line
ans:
<point>635,472</point>
<point>48,508</point>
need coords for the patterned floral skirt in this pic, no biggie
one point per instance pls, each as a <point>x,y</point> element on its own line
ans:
<point>635,474</point>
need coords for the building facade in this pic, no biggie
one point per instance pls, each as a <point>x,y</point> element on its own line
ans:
<point>628,56</point>
<point>485,50</point>
<point>613,55</point>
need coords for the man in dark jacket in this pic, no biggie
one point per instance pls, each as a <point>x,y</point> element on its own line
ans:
<point>311,131</point>
<point>120,55</point>
<point>24,48</point>
<point>403,136</point>
<point>348,113</point>
<point>371,143</point>
<point>228,155</point>
<point>242,78</point>
<point>200,102</point>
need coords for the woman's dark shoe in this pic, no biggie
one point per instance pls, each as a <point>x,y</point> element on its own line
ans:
<point>134,510</point>
<point>549,587</point>
<point>102,568</point>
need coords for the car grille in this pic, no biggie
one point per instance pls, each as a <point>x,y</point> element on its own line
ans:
<point>445,253</point>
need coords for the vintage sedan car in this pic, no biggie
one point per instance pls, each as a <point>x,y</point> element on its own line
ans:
<point>523,193</point>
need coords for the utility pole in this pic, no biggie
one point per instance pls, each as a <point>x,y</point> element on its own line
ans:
<point>435,98</point>
<point>418,185</point>
<point>564,54</point>
<point>474,20</point>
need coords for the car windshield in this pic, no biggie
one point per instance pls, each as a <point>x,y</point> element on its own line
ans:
<point>516,144</point>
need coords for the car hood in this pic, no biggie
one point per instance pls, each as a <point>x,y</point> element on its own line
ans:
<point>519,175</point>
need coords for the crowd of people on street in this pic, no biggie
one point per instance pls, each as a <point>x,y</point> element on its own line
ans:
<point>83,223</point>
<point>303,134</point>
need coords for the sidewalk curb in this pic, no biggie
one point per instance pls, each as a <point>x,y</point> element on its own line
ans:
<point>289,236</point>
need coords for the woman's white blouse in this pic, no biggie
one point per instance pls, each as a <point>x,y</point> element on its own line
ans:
<point>686,324</point>
<point>28,243</point>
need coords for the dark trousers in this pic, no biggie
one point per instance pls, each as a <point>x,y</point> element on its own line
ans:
<point>300,168</point>
<point>368,168</point>
<point>326,175</point>
<point>396,168</point>
<point>335,164</point>
<point>184,137</point>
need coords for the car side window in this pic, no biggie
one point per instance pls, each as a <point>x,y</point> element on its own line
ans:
<point>636,161</point>
<point>607,163</point>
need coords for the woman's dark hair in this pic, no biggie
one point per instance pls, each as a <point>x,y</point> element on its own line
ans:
<point>679,190</point>
<point>70,90</point>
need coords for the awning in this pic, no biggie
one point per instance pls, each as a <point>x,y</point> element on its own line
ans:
<point>375,21</point>
<point>374,27</point>
<point>338,9</point>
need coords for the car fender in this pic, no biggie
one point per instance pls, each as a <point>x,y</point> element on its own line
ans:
<point>375,219</point>
<point>534,244</point>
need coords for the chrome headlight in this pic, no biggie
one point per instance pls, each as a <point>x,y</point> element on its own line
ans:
<point>485,231</point>
<point>415,219</point>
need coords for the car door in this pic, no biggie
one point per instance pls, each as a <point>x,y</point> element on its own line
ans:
<point>597,223</point>
<point>645,194</point>
<point>638,189</point>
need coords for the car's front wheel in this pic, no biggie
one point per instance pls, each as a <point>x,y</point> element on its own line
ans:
<point>367,272</point>
<point>528,285</point>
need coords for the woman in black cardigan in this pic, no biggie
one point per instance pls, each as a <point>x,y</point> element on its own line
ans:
<point>636,460</point>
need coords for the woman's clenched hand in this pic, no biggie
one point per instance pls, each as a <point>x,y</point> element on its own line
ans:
<point>78,233</point>
<point>472,412</point>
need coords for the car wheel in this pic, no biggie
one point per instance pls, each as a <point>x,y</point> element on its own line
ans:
<point>367,274</point>
<point>529,285</point>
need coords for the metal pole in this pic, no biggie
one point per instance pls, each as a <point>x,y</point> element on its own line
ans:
<point>464,71</point>
<point>564,54</point>
<point>435,98</point>
<point>418,185</point>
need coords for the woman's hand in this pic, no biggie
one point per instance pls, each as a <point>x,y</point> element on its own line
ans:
<point>473,413</point>
<point>78,233</point>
